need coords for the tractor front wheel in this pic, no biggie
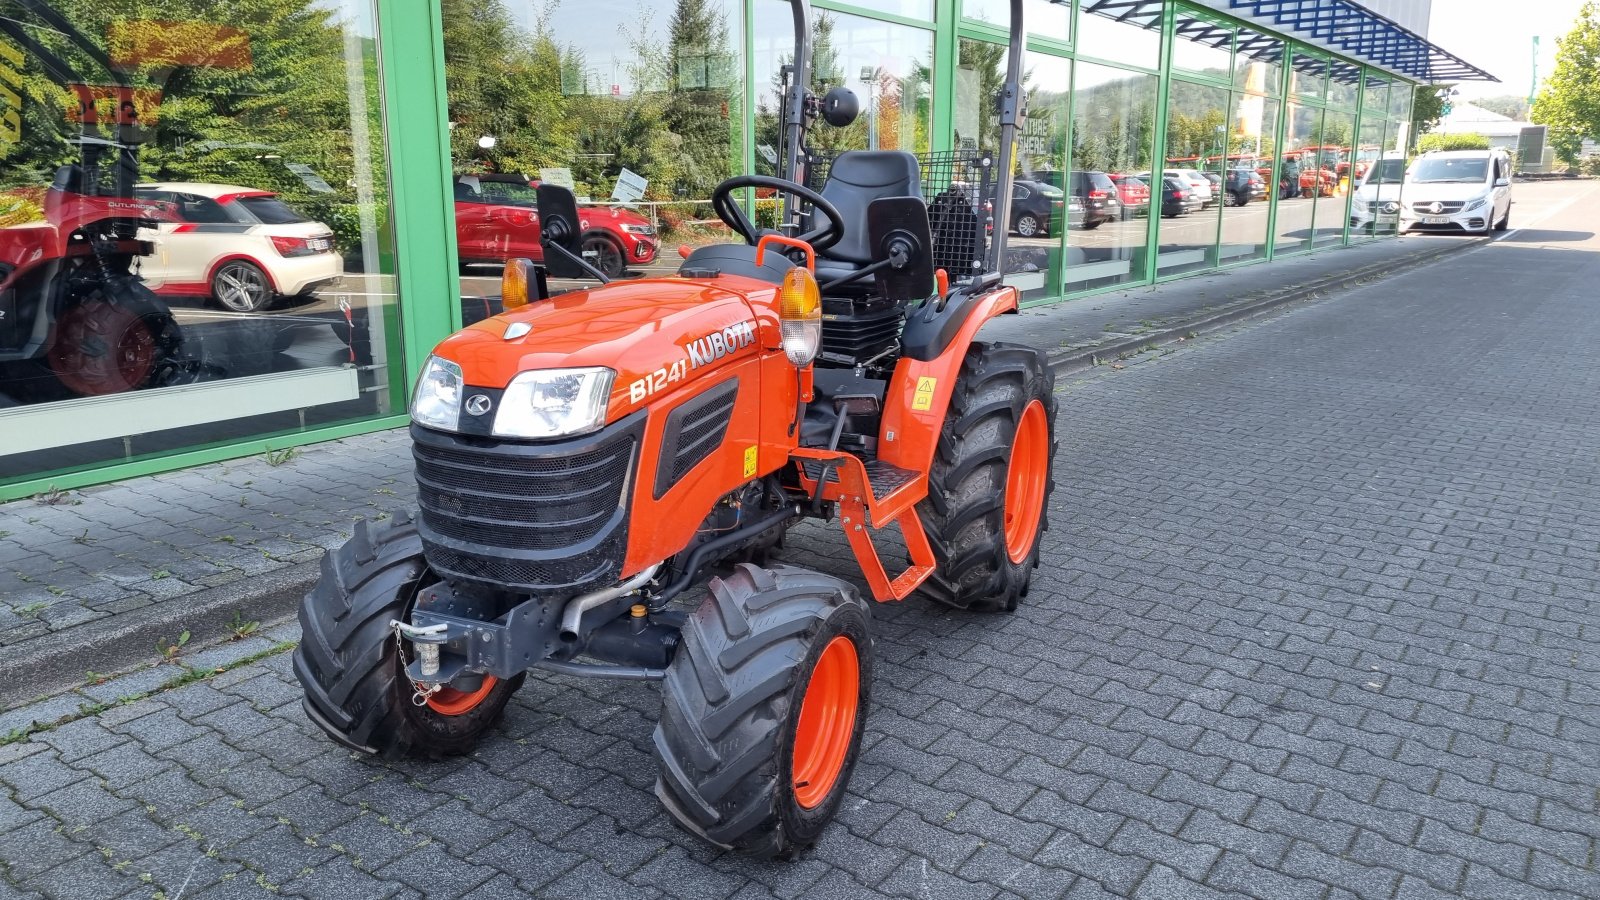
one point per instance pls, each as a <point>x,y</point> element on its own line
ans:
<point>763,709</point>
<point>349,662</point>
<point>991,479</point>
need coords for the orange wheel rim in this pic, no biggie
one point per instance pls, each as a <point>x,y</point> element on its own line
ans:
<point>1026,478</point>
<point>827,722</point>
<point>447,701</point>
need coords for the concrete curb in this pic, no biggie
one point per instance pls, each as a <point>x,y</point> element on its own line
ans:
<point>58,662</point>
<point>1079,359</point>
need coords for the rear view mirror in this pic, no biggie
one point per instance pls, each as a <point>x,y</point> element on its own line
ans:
<point>559,230</point>
<point>1502,182</point>
<point>898,232</point>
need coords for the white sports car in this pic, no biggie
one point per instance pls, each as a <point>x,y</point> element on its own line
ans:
<point>242,246</point>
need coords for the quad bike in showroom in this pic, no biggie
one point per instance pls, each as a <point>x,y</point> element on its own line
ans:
<point>70,295</point>
<point>583,462</point>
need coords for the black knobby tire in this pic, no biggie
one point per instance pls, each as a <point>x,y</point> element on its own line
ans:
<point>349,663</point>
<point>964,513</point>
<point>725,743</point>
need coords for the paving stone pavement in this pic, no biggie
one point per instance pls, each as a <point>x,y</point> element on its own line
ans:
<point>1316,620</point>
<point>77,557</point>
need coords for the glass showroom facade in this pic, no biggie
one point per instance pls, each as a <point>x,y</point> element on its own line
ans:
<point>227,228</point>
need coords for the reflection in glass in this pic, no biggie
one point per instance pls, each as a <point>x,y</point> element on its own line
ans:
<point>177,238</point>
<point>1039,201</point>
<point>1301,178</point>
<point>1113,136</point>
<point>640,118</point>
<point>1109,30</point>
<point>888,67</point>
<point>1258,62</point>
<point>1308,75</point>
<point>1202,46</point>
<point>1375,197</point>
<point>1197,136</point>
<point>1247,176</point>
<point>1046,18</point>
<point>1338,152</point>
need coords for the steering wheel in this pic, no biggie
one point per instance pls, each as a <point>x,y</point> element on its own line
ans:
<point>728,211</point>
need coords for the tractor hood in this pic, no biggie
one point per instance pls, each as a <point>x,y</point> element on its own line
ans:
<point>651,332</point>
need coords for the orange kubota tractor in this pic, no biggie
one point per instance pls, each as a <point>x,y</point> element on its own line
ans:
<point>584,460</point>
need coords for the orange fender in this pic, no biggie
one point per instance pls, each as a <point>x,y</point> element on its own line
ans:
<point>918,396</point>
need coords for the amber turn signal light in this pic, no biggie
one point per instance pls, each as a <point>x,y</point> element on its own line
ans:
<point>516,283</point>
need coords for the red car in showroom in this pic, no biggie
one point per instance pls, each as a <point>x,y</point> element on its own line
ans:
<point>497,218</point>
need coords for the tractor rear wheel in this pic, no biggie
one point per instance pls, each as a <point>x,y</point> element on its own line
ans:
<point>991,479</point>
<point>763,709</point>
<point>349,662</point>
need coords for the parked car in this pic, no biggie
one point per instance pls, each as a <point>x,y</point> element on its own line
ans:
<point>1458,190</point>
<point>497,219</point>
<point>1134,194</point>
<point>1191,177</point>
<point>1239,186</point>
<point>1178,197</point>
<point>240,246</point>
<point>1376,201</point>
<point>1036,208</point>
<point>1098,193</point>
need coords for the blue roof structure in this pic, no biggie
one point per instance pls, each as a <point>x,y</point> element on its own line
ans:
<point>1340,25</point>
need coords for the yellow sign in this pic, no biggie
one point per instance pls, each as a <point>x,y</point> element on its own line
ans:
<point>924,396</point>
<point>749,462</point>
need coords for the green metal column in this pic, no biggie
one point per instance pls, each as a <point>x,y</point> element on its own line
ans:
<point>946,48</point>
<point>421,203</point>
<point>1158,163</point>
<point>1280,128</point>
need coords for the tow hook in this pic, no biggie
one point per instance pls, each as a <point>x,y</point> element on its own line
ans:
<point>427,640</point>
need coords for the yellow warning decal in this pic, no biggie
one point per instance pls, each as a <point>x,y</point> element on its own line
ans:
<point>924,395</point>
<point>749,462</point>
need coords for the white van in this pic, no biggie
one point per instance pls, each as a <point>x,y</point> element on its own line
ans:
<point>1375,206</point>
<point>1458,191</point>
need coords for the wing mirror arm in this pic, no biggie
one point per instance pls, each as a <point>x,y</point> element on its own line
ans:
<point>550,239</point>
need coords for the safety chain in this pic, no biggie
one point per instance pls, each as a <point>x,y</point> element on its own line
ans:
<point>423,691</point>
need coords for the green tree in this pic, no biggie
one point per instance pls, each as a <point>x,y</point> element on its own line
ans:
<point>504,83</point>
<point>1427,107</point>
<point>698,70</point>
<point>1511,106</point>
<point>1570,101</point>
<point>1452,142</point>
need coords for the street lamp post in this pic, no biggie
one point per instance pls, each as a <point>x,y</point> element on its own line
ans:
<point>869,78</point>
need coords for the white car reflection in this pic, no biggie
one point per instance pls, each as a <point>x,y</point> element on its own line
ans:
<point>240,246</point>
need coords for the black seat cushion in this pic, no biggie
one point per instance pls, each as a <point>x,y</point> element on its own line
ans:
<point>857,178</point>
<point>739,259</point>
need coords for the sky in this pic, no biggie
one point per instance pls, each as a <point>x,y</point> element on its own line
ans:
<point>1497,36</point>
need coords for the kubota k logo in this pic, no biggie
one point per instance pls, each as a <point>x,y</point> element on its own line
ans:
<point>477,404</point>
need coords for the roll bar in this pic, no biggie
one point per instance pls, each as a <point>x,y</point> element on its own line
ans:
<point>1012,112</point>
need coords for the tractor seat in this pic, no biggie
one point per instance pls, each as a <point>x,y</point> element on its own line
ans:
<point>857,178</point>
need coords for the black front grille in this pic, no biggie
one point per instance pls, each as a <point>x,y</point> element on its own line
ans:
<point>525,516</point>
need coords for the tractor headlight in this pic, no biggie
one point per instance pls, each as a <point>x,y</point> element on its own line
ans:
<point>436,403</point>
<point>549,403</point>
<point>800,316</point>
